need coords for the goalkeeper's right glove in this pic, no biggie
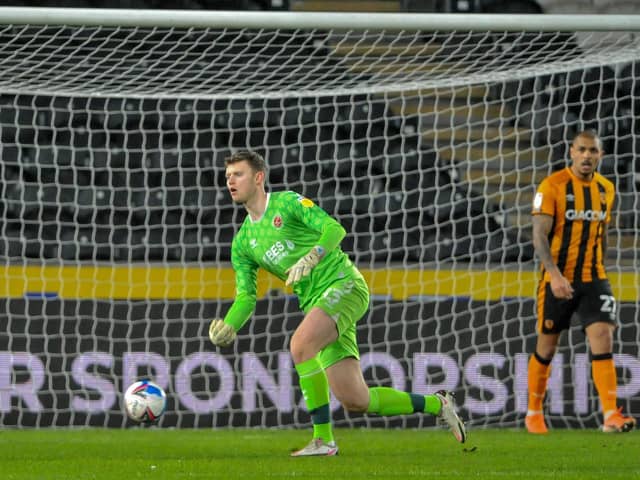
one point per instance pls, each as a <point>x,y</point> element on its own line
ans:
<point>303,267</point>
<point>220,333</point>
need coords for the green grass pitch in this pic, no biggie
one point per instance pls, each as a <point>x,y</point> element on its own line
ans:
<point>364,454</point>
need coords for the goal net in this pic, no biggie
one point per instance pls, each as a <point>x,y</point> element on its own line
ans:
<point>425,135</point>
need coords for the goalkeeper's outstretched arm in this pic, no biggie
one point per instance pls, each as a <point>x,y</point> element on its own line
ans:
<point>222,332</point>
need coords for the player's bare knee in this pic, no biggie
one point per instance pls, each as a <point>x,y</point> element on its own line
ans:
<point>355,407</point>
<point>297,354</point>
<point>546,354</point>
<point>300,350</point>
<point>355,403</point>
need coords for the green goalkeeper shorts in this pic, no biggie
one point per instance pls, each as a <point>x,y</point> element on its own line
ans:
<point>346,301</point>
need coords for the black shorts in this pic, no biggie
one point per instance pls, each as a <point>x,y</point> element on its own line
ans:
<point>592,302</point>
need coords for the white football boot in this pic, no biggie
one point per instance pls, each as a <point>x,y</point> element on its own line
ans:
<point>317,448</point>
<point>449,416</point>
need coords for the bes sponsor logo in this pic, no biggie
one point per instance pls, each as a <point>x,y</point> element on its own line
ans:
<point>275,253</point>
<point>588,215</point>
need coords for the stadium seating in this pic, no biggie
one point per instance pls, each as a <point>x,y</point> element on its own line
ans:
<point>142,179</point>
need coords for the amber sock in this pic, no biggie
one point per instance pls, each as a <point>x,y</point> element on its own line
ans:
<point>605,380</point>
<point>539,369</point>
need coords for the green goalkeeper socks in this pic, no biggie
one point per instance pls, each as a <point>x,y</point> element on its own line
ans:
<point>315,390</point>
<point>387,401</point>
<point>382,400</point>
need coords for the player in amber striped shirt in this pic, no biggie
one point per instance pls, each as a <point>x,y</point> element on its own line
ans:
<point>571,212</point>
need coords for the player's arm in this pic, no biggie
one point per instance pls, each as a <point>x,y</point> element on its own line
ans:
<point>222,332</point>
<point>560,286</point>
<point>611,202</point>
<point>331,234</point>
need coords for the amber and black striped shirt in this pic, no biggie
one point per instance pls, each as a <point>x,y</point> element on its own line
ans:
<point>580,210</point>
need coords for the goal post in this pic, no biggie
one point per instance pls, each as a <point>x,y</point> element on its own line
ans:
<point>424,134</point>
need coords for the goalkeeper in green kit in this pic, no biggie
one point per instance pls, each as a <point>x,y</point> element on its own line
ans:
<point>292,238</point>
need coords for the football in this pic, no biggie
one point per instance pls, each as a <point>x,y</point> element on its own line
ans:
<point>144,401</point>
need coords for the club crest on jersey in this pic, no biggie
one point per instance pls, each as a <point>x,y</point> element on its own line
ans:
<point>277,221</point>
<point>306,202</point>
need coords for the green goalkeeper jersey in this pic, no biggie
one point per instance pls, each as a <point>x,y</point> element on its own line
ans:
<point>291,225</point>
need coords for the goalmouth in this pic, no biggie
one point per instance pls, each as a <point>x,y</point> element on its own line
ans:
<point>425,135</point>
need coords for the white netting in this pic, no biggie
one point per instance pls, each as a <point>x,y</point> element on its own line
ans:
<point>197,62</point>
<point>427,146</point>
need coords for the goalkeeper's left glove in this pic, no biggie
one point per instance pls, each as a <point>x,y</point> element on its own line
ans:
<point>303,267</point>
<point>220,333</point>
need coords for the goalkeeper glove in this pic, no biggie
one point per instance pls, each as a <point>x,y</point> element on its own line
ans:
<point>303,267</point>
<point>220,333</point>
